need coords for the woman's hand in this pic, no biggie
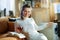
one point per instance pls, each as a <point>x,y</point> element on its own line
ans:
<point>19,29</point>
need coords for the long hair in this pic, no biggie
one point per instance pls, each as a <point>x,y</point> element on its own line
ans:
<point>24,6</point>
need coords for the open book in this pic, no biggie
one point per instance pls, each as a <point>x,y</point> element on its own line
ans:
<point>20,35</point>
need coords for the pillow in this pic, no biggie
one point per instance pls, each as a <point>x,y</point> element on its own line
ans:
<point>3,26</point>
<point>8,38</point>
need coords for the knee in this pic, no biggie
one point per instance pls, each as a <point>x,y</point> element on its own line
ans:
<point>44,38</point>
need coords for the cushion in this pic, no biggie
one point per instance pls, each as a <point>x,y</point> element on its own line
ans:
<point>3,25</point>
<point>8,38</point>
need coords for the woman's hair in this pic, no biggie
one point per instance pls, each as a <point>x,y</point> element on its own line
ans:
<point>23,8</point>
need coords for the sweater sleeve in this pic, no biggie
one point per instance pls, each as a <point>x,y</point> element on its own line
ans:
<point>40,27</point>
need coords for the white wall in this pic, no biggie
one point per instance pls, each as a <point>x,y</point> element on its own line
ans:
<point>2,4</point>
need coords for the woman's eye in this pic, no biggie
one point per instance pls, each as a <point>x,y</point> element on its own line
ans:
<point>28,11</point>
<point>25,11</point>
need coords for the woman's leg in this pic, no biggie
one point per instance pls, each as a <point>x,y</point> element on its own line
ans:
<point>39,36</point>
<point>43,37</point>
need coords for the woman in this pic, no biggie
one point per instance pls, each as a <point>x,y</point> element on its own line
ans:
<point>28,25</point>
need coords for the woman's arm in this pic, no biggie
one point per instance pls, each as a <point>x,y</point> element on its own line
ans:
<point>41,26</point>
<point>19,29</point>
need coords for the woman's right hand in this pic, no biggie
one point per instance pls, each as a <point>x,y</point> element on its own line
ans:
<point>19,29</point>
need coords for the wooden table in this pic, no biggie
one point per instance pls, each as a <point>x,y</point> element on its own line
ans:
<point>11,26</point>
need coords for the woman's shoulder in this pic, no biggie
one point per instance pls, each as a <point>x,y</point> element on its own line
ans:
<point>18,19</point>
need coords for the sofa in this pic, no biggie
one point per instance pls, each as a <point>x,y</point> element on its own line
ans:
<point>49,32</point>
<point>4,30</point>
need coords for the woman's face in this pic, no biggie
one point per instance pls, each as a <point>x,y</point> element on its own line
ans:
<point>27,12</point>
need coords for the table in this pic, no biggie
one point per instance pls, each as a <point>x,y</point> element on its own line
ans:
<point>11,25</point>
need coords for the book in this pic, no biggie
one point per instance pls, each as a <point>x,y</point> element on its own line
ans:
<point>20,35</point>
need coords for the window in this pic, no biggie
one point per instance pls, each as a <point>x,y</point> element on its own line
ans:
<point>9,5</point>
